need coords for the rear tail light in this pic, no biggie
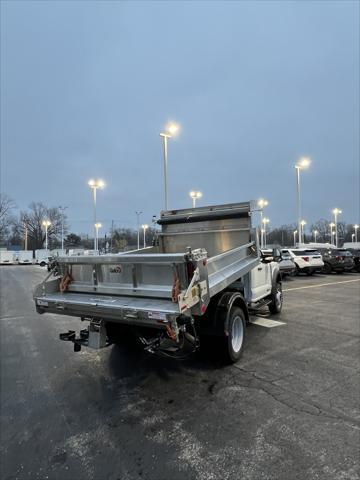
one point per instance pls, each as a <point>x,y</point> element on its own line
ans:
<point>340,259</point>
<point>306,258</point>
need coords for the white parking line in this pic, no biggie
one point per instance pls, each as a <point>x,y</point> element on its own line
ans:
<point>320,285</point>
<point>266,322</point>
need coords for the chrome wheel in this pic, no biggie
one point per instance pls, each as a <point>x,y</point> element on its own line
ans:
<point>237,334</point>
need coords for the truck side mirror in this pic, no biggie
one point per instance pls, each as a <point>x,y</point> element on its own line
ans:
<point>276,255</point>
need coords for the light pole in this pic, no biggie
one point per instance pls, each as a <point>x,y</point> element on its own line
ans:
<point>302,231</point>
<point>138,228</point>
<point>295,233</point>
<point>356,229</point>
<point>261,204</point>
<point>144,227</point>
<point>336,212</point>
<point>62,227</point>
<point>195,195</point>
<point>352,237</point>
<point>265,222</point>
<point>315,232</point>
<point>94,185</point>
<point>303,163</point>
<point>97,227</point>
<point>332,225</point>
<point>46,224</point>
<point>171,130</point>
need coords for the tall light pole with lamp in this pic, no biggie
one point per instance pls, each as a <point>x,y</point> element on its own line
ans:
<point>62,209</point>
<point>295,233</point>
<point>261,204</point>
<point>46,224</point>
<point>332,225</point>
<point>356,229</point>
<point>144,227</point>
<point>138,213</point>
<point>195,195</point>
<point>170,131</point>
<point>315,232</point>
<point>302,164</point>
<point>352,237</point>
<point>302,231</point>
<point>97,227</point>
<point>336,212</point>
<point>265,221</point>
<point>94,185</point>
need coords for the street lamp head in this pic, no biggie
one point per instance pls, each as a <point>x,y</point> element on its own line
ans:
<point>262,203</point>
<point>295,232</point>
<point>356,226</point>
<point>336,211</point>
<point>332,225</point>
<point>316,232</point>
<point>46,223</point>
<point>172,128</point>
<point>144,226</point>
<point>303,162</point>
<point>266,220</point>
<point>98,225</point>
<point>302,223</point>
<point>195,194</point>
<point>96,183</point>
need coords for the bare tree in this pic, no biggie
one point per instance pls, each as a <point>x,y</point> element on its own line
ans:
<point>7,206</point>
<point>32,222</point>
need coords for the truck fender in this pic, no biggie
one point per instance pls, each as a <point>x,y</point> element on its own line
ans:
<point>226,302</point>
<point>276,279</point>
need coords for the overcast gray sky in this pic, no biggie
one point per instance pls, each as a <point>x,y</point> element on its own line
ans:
<point>86,87</point>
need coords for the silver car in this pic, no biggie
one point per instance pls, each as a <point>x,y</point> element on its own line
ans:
<point>287,264</point>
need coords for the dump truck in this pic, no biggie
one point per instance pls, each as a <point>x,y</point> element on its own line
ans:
<point>201,280</point>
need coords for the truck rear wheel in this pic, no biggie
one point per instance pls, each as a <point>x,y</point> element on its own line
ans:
<point>233,343</point>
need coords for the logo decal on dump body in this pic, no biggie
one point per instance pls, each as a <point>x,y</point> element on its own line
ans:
<point>157,315</point>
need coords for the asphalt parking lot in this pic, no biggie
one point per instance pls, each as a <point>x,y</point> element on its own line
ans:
<point>288,410</point>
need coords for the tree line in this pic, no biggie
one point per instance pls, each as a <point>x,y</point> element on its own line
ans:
<point>28,224</point>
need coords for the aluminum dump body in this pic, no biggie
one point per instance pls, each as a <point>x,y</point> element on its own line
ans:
<point>198,253</point>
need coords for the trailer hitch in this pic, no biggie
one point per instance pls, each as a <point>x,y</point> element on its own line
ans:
<point>94,336</point>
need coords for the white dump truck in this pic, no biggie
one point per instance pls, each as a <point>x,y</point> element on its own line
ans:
<point>202,278</point>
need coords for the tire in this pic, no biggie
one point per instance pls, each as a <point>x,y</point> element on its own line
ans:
<point>42,264</point>
<point>233,344</point>
<point>327,268</point>
<point>276,299</point>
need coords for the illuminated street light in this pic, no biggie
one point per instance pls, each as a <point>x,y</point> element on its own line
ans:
<point>144,227</point>
<point>303,163</point>
<point>97,227</point>
<point>315,232</point>
<point>336,212</point>
<point>170,131</point>
<point>261,204</point>
<point>195,195</point>
<point>332,225</point>
<point>353,237</point>
<point>265,221</point>
<point>356,229</point>
<point>46,224</point>
<point>94,185</point>
<point>295,233</point>
<point>138,213</point>
<point>302,226</point>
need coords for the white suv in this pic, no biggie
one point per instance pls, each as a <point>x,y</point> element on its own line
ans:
<point>307,260</point>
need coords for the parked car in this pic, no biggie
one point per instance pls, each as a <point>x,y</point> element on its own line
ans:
<point>307,260</point>
<point>6,257</point>
<point>356,257</point>
<point>287,264</point>
<point>337,260</point>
